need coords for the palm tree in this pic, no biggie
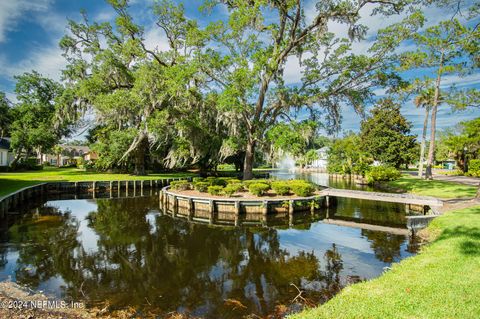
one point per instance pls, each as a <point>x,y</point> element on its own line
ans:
<point>424,100</point>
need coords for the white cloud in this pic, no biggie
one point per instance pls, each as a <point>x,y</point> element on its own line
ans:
<point>12,10</point>
<point>105,16</point>
<point>46,60</point>
<point>467,80</point>
<point>155,39</point>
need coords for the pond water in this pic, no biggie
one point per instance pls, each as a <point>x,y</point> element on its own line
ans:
<point>126,253</point>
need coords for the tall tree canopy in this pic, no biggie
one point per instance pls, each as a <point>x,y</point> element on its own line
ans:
<point>386,134</point>
<point>260,36</point>
<point>5,115</point>
<point>451,47</point>
<point>35,125</point>
<point>132,88</point>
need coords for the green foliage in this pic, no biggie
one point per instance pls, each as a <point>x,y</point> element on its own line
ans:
<point>382,173</point>
<point>474,167</point>
<point>460,141</point>
<point>301,187</point>
<point>198,179</point>
<point>180,185</point>
<point>34,123</point>
<point>215,190</point>
<point>216,181</point>
<point>345,156</point>
<point>231,189</point>
<point>201,186</point>
<point>258,188</point>
<point>281,187</point>
<point>234,181</point>
<point>385,135</point>
<point>253,181</point>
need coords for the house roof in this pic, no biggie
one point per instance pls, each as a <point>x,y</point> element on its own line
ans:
<point>5,143</point>
<point>78,148</point>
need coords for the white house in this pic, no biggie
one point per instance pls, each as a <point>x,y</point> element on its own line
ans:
<point>6,156</point>
<point>322,159</point>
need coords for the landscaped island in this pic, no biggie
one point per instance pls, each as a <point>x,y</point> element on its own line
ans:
<point>219,187</point>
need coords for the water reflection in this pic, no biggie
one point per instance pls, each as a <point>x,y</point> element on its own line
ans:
<point>128,253</point>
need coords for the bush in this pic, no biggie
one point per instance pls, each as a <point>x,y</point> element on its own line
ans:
<point>381,173</point>
<point>215,181</point>
<point>180,185</point>
<point>80,162</point>
<point>231,189</point>
<point>301,188</point>
<point>474,167</point>
<point>256,181</point>
<point>29,164</point>
<point>201,186</point>
<point>258,189</point>
<point>234,181</point>
<point>198,179</point>
<point>215,190</point>
<point>281,187</point>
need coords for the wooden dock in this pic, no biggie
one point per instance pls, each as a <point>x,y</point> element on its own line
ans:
<point>408,199</point>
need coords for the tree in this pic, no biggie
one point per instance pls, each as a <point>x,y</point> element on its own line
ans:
<point>461,142</point>
<point>386,134</point>
<point>5,115</point>
<point>345,155</point>
<point>35,126</point>
<point>424,100</point>
<point>449,48</point>
<point>292,138</point>
<point>129,85</point>
<point>258,39</point>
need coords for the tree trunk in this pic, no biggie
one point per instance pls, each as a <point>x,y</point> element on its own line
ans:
<point>248,163</point>
<point>139,158</point>
<point>422,145</point>
<point>431,149</point>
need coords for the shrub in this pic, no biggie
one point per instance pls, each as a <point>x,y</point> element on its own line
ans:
<point>231,189</point>
<point>474,167</point>
<point>301,188</point>
<point>214,181</point>
<point>201,186</point>
<point>281,187</point>
<point>80,162</point>
<point>234,181</point>
<point>215,190</point>
<point>180,185</point>
<point>198,179</point>
<point>258,189</point>
<point>382,173</point>
<point>256,181</point>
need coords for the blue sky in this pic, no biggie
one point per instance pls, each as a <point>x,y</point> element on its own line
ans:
<point>30,31</point>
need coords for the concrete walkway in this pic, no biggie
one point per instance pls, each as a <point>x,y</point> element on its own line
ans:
<point>467,180</point>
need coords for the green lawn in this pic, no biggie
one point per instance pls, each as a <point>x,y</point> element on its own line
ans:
<point>443,281</point>
<point>441,189</point>
<point>10,182</point>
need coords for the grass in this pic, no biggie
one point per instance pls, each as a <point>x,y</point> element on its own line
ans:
<point>10,182</point>
<point>443,281</point>
<point>441,189</point>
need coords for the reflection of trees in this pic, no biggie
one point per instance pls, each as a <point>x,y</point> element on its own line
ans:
<point>370,212</point>
<point>47,246</point>
<point>194,266</point>
<point>385,245</point>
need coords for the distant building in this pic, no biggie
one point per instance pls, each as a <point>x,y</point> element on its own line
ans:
<point>69,155</point>
<point>322,159</point>
<point>6,155</point>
